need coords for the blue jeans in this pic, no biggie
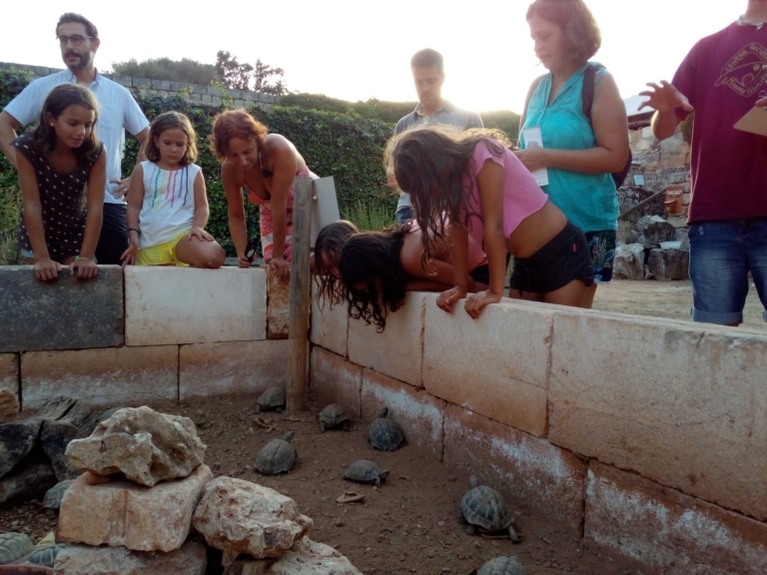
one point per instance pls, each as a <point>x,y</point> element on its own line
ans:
<point>721,255</point>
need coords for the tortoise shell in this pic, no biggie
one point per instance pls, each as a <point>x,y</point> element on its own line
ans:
<point>502,566</point>
<point>272,399</point>
<point>484,507</point>
<point>55,494</point>
<point>333,416</point>
<point>365,471</point>
<point>277,456</point>
<point>46,555</point>
<point>14,547</point>
<point>384,433</point>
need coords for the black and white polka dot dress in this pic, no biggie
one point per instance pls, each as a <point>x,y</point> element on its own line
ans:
<point>62,199</point>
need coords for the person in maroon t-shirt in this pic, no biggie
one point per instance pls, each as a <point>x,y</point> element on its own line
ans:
<point>721,79</point>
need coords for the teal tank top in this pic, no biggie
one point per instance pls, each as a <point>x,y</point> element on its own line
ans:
<point>588,200</point>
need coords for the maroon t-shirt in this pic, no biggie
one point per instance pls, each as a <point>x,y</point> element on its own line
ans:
<point>723,76</point>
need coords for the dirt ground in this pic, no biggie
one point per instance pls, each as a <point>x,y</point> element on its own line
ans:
<point>409,524</point>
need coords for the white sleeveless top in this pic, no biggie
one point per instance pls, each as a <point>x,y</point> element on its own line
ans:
<point>168,207</point>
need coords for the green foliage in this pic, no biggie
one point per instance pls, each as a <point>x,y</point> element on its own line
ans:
<point>370,218</point>
<point>10,199</point>
<point>246,77</point>
<point>504,120</point>
<point>184,70</point>
<point>372,109</point>
<point>12,82</point>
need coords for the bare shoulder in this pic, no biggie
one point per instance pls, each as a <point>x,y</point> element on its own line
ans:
<point>279,144</point>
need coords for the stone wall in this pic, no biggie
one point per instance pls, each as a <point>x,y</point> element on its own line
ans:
<point>646,435</point>
<point>203,95</point>
<point>642,434</point>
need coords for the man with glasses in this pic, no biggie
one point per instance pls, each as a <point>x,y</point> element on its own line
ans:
<point>118,111</point>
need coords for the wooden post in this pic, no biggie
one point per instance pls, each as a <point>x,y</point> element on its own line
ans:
<point>300,297</point>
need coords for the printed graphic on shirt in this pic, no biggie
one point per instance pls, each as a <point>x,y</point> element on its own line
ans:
<point>746,71</point>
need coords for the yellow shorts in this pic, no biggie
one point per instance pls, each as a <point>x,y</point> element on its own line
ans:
<point>162,254</point>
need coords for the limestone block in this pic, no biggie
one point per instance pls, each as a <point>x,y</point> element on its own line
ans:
<point>670,531</point>
<point>85,560</point>
<point>629,262</point>
<point>9,405</point>
<point>238,516</point>
<point>670,264</point>
<point>678,403</point>
<point>122,512</point>
<point>207,369</point>
<point>277,307</point>
<point>102,377</point>
<point>336,380</point>
<point>141,443</point>
<point>397,351</point>
<point>65,314</point>
<point>307,557</point>
<point>496,365</point>
<point>9,372</point>
<point>187,305</point>
<point>526,468</point>
<point>419,413</point>
<point>330,327</point>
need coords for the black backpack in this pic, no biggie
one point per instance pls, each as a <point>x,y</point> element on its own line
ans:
<point>587,97</point>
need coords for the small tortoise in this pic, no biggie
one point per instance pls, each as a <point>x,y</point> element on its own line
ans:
<point>333,416</point>
<point>46,555</point>
<point>366,471</point>
<point>55,494</point>
<point>502,566</point>
<point>277,456</point>
<point>485,509</point>
<point>273,399</point>
<point>14,547</point>
<point>384,433</point>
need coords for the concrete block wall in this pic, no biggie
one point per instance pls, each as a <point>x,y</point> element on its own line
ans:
<point>139,335</point>
<point>643,434</point>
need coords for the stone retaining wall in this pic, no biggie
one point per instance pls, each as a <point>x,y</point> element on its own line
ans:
<point>197,93</point>
<point>646,435</point>
<point>643,434</point>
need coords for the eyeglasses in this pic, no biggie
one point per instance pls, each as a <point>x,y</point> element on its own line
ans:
<point>76,39</point>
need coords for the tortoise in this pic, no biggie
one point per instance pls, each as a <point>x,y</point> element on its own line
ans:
<point>14,547</point>
<point>366,471</point>
<point>484,509</point>
<point>55,494</point>
<point>502,566</point>
<point>277,456</point>
<point>273,399</point>
<point>384,433</point>
<point>333,416</point>
<point>45,555</point>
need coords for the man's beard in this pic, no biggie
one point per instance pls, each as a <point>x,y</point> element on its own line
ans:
<point>85,59</point>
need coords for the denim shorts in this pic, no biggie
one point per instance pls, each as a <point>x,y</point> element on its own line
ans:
<point>721,255</point>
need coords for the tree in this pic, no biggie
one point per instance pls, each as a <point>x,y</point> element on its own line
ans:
<point>231,73</point>
<point>263,84</point>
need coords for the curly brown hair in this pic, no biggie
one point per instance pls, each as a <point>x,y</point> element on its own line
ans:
<point>235,124</point>
<point>581,32</point>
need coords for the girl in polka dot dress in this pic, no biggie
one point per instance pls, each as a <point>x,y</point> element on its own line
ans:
<point>62,170</point>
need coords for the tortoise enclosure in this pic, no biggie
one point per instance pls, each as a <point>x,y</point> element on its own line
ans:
<point>408,525</point>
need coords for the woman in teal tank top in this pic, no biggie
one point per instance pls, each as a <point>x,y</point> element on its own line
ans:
<point>578,158</point>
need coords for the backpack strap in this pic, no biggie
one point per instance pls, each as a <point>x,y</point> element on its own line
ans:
<point>587,90</point>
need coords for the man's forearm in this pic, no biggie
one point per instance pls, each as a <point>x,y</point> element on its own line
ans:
<point>664,124</point>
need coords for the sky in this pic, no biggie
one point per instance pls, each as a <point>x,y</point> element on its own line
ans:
<point>355,50</point>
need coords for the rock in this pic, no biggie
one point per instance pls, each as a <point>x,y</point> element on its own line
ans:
<point>9,405</point>
<point>629,262</point>
<point>123,513</point>
<point>17,438</point>
<point>31,480</point>
<point>242,517</point>
<point>307,557</point>
<point>56,408</point>
<point>85,560</point>
<point>668,264</point>
<point>57,433</point>
<point>652,230</point>
<point>145,445</point>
